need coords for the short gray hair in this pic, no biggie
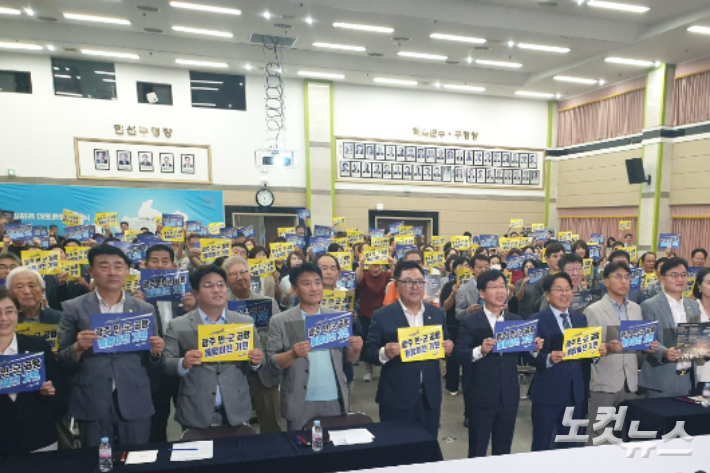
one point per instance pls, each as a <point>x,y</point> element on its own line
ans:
<point>20,271</point>
<point>232,260</point>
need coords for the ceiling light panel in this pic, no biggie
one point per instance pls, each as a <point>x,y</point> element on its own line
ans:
<point>699,29</point>
<point>540,47</point>
<point>190,62</point>
<point>385,80</point>
<point>343,47</point>
<point>368,28</point>
<point>23,46</point>
<point>460,39</point>
<point>575,80</point>
<point>9,11</point>
<point>539,95</point>
<point>618,6</point>
<point>465,88</point>
<point>200,31</point>
<point>93,52</point>
<point>206,8</point>
<point>486,62</point>
<point>629,62</point>
<point>321,75</point>
<point>96,19</point>
<point>433,57</point>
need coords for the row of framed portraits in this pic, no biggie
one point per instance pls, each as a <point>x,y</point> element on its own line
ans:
<point>437,173</point>
<point>124,161</point>
<point>439,155</point>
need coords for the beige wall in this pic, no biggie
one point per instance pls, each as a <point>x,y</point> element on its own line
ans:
<point>690,173</point>
<point>597,181</point>
<point>283,197</point>
<point>457,213</point>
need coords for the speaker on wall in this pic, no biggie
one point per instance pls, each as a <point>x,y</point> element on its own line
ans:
<point>635,172</point>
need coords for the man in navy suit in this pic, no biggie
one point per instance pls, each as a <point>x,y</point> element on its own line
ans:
<point>493,392</point>
<point>558,384</point>
<point>407,391</point>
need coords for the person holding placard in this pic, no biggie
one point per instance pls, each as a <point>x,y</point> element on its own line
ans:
<point>212,392</point>
<point>269,283</point>
<point>313,383</point>
<point>111,392</point>
<point>372,285</point>
<point>558,383</point>
<point>615,377</point>
<point>468,297</point>
<point>553,253</point>
<point>494,390</point>
<point>264,384</point>
<point>28,415</point>
<point>409,390</point>
<point>27,288</point>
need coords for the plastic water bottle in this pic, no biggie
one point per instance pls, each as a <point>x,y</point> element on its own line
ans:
<point>706,395</point>
<point>317,436</point>
<point>105,461</point>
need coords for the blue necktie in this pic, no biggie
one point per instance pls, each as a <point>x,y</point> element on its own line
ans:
<point>565,321</point>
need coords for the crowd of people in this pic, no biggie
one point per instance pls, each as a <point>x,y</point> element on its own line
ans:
<point>127,396</point>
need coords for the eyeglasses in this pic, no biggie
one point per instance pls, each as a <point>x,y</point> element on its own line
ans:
<point>497,288</point>
<point>211,285</point>
<point>573,269</point>
<point>238,273</point>
<point>9,311</point>
<point>677,275</point>
<point>4,267</point>
<point>410,283</point>
<point>621,277</point>
<point>562,290</point>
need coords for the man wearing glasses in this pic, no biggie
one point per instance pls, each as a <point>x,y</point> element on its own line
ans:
<point>571,264</point>
<point>411,391</point>
<point>615,377</point>
<point>664,374</point>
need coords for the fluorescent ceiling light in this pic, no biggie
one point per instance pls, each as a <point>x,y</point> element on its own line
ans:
<point>539,47</point>
<point>29,47</point>
<point>309,20</point>
<point>434,57</point>
<point>540,95</point>
<point>467,88</point>
<point>185,29</point>
<point>344,47</point>
<point>207,8</point>
<point>92,52</point>
<point>204,104</point>
<point>384,80</point>
<point>62,76</point>
<point>218,82</point>
<point>576,80</point>
<point>105,73</point>
<point>9,11</point>
<point>486,62</point>
<point>109,80</point>
<point>50,47</point>
<point>321,75</point>
<point>97,19</point>
<point>266,15</point>
<point>618,6</point>
<point>630,62</point>
<point>190,62</point>
<point>461,39</point>
<point>370,28</point>
<point>204,88</point>
<point>248,67</point>
<point>29,11</point>
<point>699,29</point>
<point>70,94</point>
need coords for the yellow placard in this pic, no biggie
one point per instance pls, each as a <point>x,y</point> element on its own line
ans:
<point>575,237</point>
<point>377,256</point>
<point>130,235</point>
<point>380,242</point>
<point>173,234</point>
<point>460,243</point>
<point>507,243</point>
<point>438,241</point>
<point>355,236</point>
<point>262,267</point>
<point>433,259</point>
<point>229,342</point>
<point>625,225</point>
<point>341,301</point>
<point>71,218</point>
<point>342,241</point>
<point>283,231</point>
<point>516,223</point>
<point>463,275</point>
<point>213,248</point>
<point>582,343</point>
<point>339,223</point>
<point>215,227</point>
<point>587,266</point>
<point>133,283</point>
<point>71,267</point>
<point>538,227</point>
<point>158,219</point>
<point>406,230</point>
<point>523,242</point>
<point>404,240</point>
<point>345,260</point>
<point>280,251</point>
<point>106,218</point>
<point>421,343</point>
<point>77,254</point>
<point>565,236</point>
<point>649,278</point>
<point>44,262</point>
<point>633,253</point>
<point>46,331</point>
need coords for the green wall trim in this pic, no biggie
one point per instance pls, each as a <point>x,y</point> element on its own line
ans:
<point>307,128</point>
<point>550,117</point>
<point>659,163</point>
<point>548,166</point>
<point>333,165</point>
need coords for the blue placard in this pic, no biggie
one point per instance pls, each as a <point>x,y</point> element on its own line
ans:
<point>638,334</point>
<point>122,332</point>
<point>229,233</point>
<point>514,336</point>
<point>376,233</point>
<point>164,284</point>
<point>319,245</point>
<point>146,238</point>
<point>260,310</point>
<point>323,231</point>
<point>597,238</point>
<point>400,250</point>
<point>515,262</point>
<point>256,285</point>
<point>535,274</point>
<point>2,283</point>
<point>193,226</point>
<point>488,241</point>
<point>21,373</point>
<point>595,252</point>
<point>80,232</point>
<point>669,240</point>
<point>418,231</point>
<point>39,231</point>
<point>567,246</point>
<point>303,214</point>
<point>173,220</point>
<point>205,232</point>
<point>326,331</point>
<point>298,240</point>
<point>637,277</point>
<point>346,281</point>
<point>134,251</point>
<point>247,232</point>
<point>394,227</point>
<point>19,231</point>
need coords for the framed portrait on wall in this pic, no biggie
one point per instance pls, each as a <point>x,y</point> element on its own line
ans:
<point>468,160</point>
<point>440,158</point>
<point>389,155</point>
<point>187,163</point>
<point>366,169</point>
<point>458,174</point>
<point>167,162</point>
<point>417,173</point>
<point>499,176</point>
<point>436,173</point>
<point>369,151</point>
<point>534,178</point>
<point>517,177</point>
<point>345,169</point>
<point>396,171</point>
<point>507,176</point>
<point>387,171</point>
<point>431,155</point>
<point>348,150</point>
<point>123,160</point>
<point>506,160</point>
<point>411,154</point>
<point>523,160</point>
<point>145,161</point>
<point>471,175</point>
<point>380,152</point>
<point>490,176</point>
<point>532,161</point>
<point>359,151</point>
<point>101,160</point>
<point>407,172</point>
<point>526,177</point>
<point>459,157</point>
<point>515,160</point>
<point>355,169</point>
<point>488,158</point>
<point>446,172</point>
<point>426,173</point>
<point>449,156</point>
<point>421,155</point>
<point>377,170</point>
<point>400,153</point>
<point>478,158</point>
<point>481,176</point>
<point>497,159</point>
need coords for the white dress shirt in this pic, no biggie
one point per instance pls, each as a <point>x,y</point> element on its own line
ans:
<point>415,320</point>
<point>678,311</point>
<point>11,350</point>
<point>492,319</point>
<point>111,309</point>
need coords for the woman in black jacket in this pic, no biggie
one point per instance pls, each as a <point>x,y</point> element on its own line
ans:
<point>27,419</point>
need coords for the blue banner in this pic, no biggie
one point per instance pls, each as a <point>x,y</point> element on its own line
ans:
<point>40,231</point>
<point>121,332</point>
<point>260,310</point>
<point>488,241</point>
<point>79,232</point>
<point>595,252</point>
<point>597,238</point>
<point>247,231</point>
<point>376,233</point>
<point>194,226</point>
<point>394,227</point>
<point>346,281</point>
<point>303,214</point>
<point>326,331</point>
<point>638,334</point>
<point>19,231</point>
<point>418,231</point>
<point>322,231</point>
<point>229,233</point>
<point>515,336</point>
<point>173,220</point>
<point>134,251</point>
<point>319,245</point>
<point>535,274</point>
<point>298,240</point>
<point>637,277</point>
<point>515,262</point>
<point>164,284</point>
<point>669,240</point>
<point>21,373</point>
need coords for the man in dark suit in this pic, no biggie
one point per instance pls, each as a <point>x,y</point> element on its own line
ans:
<point>407,391</point>
<point>111,392</point>
<point>558,384</point>
<point>493,392</point>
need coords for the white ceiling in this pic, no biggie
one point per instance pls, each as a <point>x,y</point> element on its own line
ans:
<point>592,34</point>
